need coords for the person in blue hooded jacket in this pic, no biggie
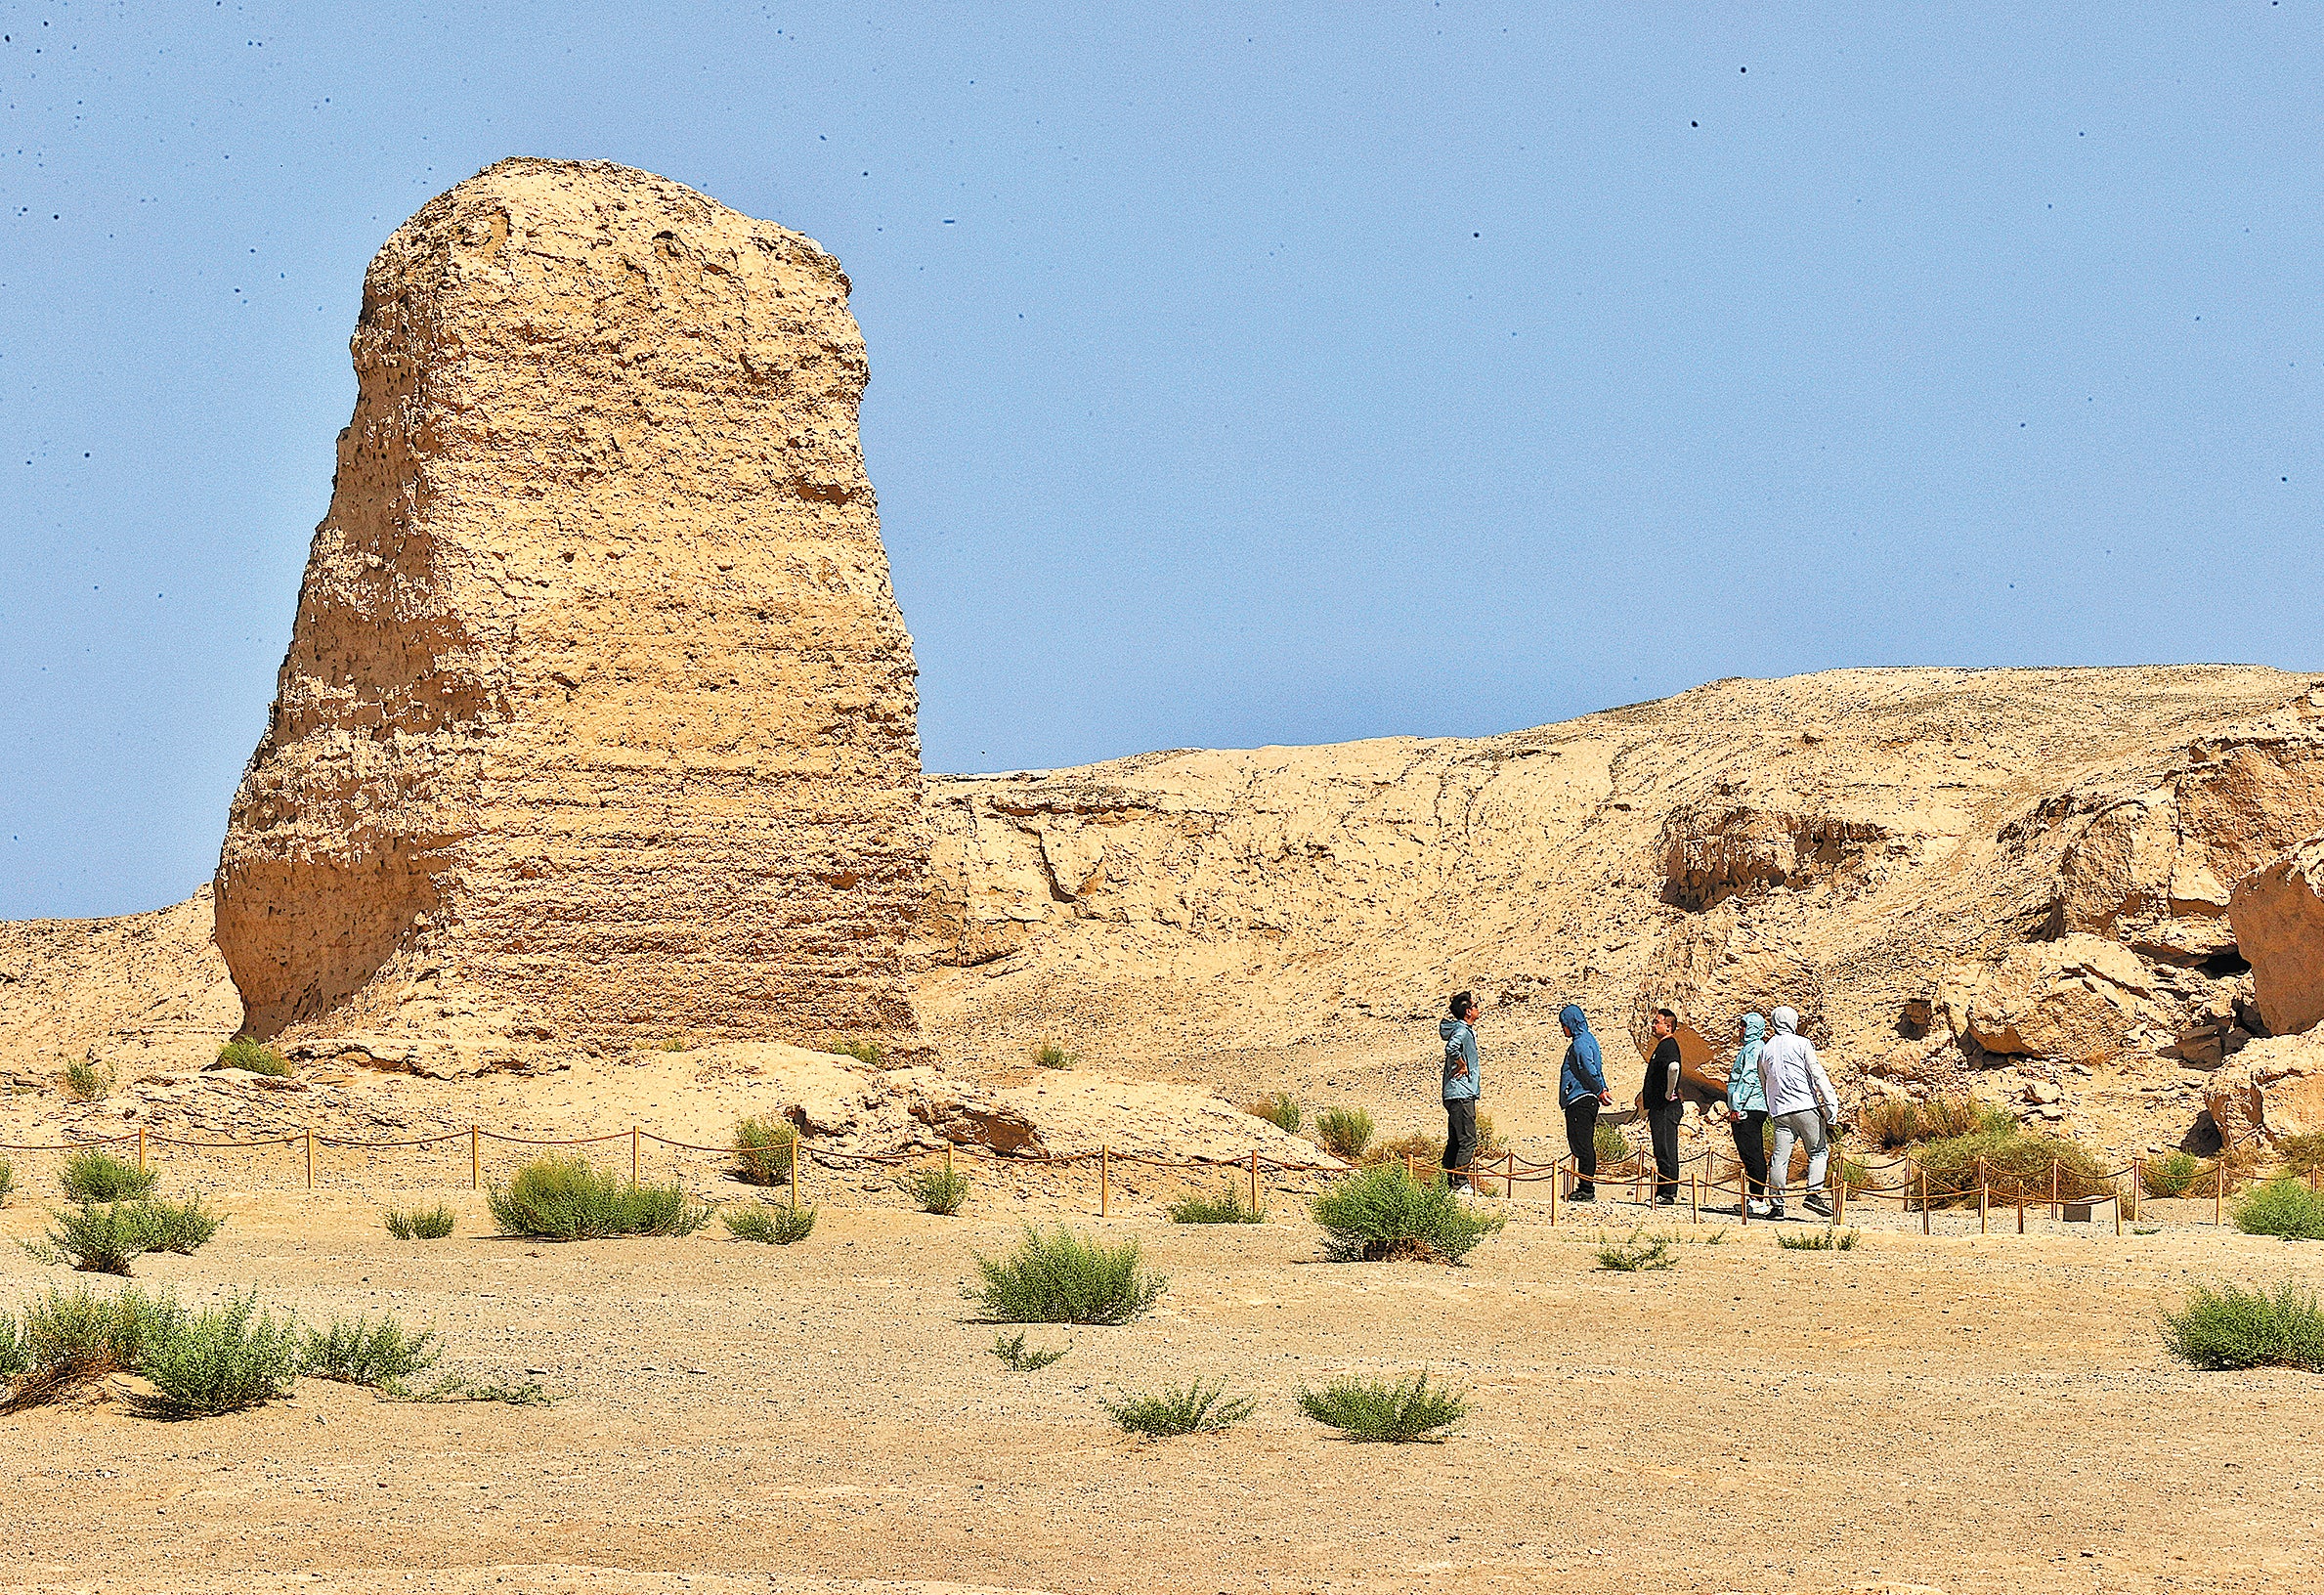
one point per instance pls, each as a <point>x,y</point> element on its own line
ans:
<point>1747,1111</point>
<point>1459,1032</point>
<point>1582,1092</point>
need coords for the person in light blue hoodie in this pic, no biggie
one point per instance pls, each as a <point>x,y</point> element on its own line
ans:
<point>1459,1032</point>
<point>1582,1092</point>
<point>1746,1113</point>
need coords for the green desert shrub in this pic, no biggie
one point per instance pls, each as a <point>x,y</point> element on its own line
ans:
<point>2229,1327</point>
<point>2284,1206</point>
<point>864,1050</point>
<point>2016,1166</point>
<point>1195,1410</point>
<point>763,1150</point>
<point>1372,1409</point>
<point>455,1388</point>
<point>1897,1121</point>
<point>937,1188</point>
<point>1227,1207</point>
<point>1639,1254</point>
<point>255,1055</point>
<point>770,1224</point>
<point>1018,1358</point>
<point>220,1359</point>
<point>2172,1176</point>
<point>1049,1055</point>
<point>1344,1131</point>
<point>357,1352</point>
<point>565,1199</point>
<point>1063,1279</point>
<point>97,1176</point>
<point>1380,1213</point>
<point>1613,1147</point>
<point>1818,1240</point>
<point>1282,1110</point>
<point>1423,1149</point>
<point>85,1081</point>
<point>69,1338</point>
<point>418,1223</point>
<point>93,1238</point>
<point>183,1228</point>
<point>15,1352</point>
<point>8,1178</point>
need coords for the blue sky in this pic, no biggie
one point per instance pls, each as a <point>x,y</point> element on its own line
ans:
<point>1239,374</point>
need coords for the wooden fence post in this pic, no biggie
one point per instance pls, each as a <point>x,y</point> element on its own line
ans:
<point>2138,1183</point>
<point>1982,1196</point>
<point>140,1149</point>
<point>2218,1187</point>
<point>1509,1177</point>
<point>1104,1180</point>
<point>2053,1190</point>
<point>1924,1201</point>
<point>1556,1176</point>
<point>310,1157</point>
<point>633,1154</point>
<point>795,1171</point>
<point>1254,1179</point>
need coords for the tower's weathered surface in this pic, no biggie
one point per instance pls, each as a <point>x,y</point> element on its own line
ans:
<point>598,721</point>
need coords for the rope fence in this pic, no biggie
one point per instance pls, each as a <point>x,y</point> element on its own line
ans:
<point>1700,1179</point>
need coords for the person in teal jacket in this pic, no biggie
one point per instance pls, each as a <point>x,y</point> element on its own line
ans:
<point>1458,1029</point>
<point>1582,1092</point>
<point>1747,1113</point>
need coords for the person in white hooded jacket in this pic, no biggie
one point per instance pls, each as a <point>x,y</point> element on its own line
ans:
<point>1801,1106</point>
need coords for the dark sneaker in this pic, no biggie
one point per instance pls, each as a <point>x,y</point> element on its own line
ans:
<point>1580,1195</point>
<point>1666,1201</point>
<point>1774,1210</point>
<point>1817,1205</point>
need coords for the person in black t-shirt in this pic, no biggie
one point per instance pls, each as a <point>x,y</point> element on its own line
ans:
<point>1660,1101</point>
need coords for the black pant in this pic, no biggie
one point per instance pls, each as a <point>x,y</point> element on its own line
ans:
<point>1750,1146</point>
<point>1460,1139</point>
<point>1581,1139</point>
<point>1662,1122</point>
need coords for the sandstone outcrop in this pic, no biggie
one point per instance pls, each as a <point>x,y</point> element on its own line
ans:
<point>2274,1088</point>
<point>2278,915</point>
<point>2076,1000</point>
<point>598,721</point>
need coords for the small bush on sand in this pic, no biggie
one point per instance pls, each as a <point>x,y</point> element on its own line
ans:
<point>15,1352</point>
<point>763,1150</point>
<point>183,1228</point>
<point>1018,1358</point>
<point>454,1388</point>
<point>1063,1279</point>
<point>8,1178</point>
<point>94,1238</point>
<point>564,1198</point>
<point>1491,1142</point>
<point>1227,1207</point>
<point>359,1352</point>
<point>1282,1110</point>
<point>1612,1146</point>
<point>2016,1165</point>
<point>69,1338</point>
<point>255,1055</point>
<point>1049,1055</point>
<point>1344,1131</point>
<point>2229,1327</point>
<point>1381,1212</point>
<point>1370,1409</point>
<point>220,1359</point>
<point>2171,1175</point>
<point>2284,1206</point>
<point>1639,1254</point>
<point>1818,1240</point>
<point>97,1176</point>
<point>1195,1410</point>
<point>770,1224</point>
<point>84,1081</point>
<point>418,1223</point>
<point>1427,1151</point>
<point>864,1050</point>
<point>937,1190</point>
<point>1895,1122</point>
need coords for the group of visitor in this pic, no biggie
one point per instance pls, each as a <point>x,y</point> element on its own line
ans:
<point>1774,1081</point>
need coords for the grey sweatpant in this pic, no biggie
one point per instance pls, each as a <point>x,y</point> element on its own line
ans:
<point>1808,1130</point>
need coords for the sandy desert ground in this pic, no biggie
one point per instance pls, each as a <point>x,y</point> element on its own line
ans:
<point>1961,1413</point>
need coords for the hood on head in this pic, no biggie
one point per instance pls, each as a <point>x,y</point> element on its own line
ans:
<point>1445,1027</point>
<point>1754,1027</point>
<point>1786,1021</point>
<point>1570,1018</point>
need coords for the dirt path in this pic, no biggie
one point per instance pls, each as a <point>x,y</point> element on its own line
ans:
<point>1974,1415</point>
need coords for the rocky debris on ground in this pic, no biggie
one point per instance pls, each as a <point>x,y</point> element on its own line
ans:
<point>2278,915</point>
<point>598,714</point>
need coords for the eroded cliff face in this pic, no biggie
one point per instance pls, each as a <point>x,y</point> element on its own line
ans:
<point>598,721</point>
<point>1884,850</point>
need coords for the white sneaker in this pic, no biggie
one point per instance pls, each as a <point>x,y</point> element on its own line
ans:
<point>1760,1209</point>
